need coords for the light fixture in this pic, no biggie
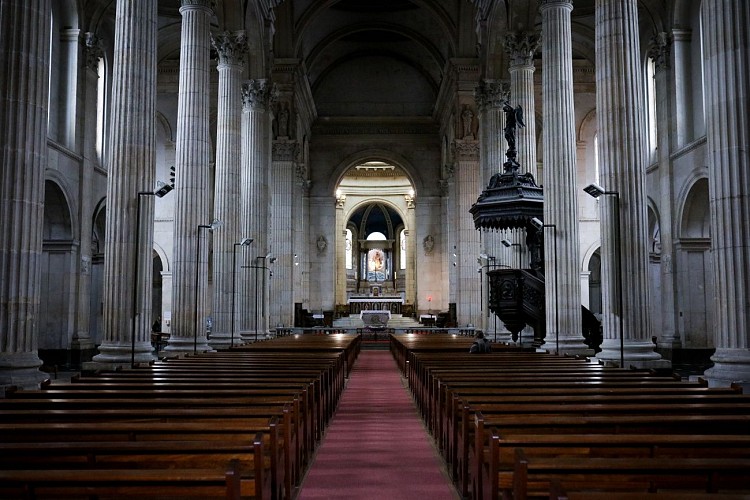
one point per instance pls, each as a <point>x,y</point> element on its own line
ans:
<point>245,242</point>
<point>163,190</point>
<point>506,243</point>
<point>596,191</point>
<point>539,226</point>
<point>215,224</point>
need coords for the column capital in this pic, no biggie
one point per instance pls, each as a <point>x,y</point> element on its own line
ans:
<point>682,35</point>
<point>257,94</point>
<point>94,51</point>
<point>285,150</point>
<point>545,4</point>
<point>659,49</point>
<point>207,5</point>
<point>491,94</point>
<point>231,48</point>
<point>521,46</point>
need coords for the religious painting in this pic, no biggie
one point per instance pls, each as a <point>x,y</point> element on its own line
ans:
<point>375,265</point>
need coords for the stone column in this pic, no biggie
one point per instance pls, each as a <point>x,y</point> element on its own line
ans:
<point>302,236</point>
<point>521,48</point>
<point>232,49</point>
<point>562,271</point>
<point>467,187</point>
<point>281,305</point>
<point>666,323</point>
<point>189,305</point>
<point>622,153</point>
<point>726,80</point>
<point>490,96</point>
<point>93,53</point>
<point>131,170</point>
<point>23,113</point>
<point>681,118</point>
<point>256,97</point>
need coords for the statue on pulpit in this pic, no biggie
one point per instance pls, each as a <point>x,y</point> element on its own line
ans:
<point>513,120</point>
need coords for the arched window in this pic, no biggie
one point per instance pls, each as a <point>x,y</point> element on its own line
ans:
<point>348,249</point>
<point>100,90</point>
<point>402,249</point>
<point>651,104</point>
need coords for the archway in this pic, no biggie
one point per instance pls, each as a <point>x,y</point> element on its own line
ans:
<point>375,255</point>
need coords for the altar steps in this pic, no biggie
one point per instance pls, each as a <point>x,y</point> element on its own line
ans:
<point>397,321</point>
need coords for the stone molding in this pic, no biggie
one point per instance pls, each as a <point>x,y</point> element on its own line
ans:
<point>284,150</point>
<point>209,5</point>
<point>465,150</point>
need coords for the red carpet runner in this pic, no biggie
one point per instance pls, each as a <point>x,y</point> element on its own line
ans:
<point>376,447</point>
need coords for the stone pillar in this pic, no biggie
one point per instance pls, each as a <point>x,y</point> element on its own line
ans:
<point>521,48</point>
<point>131,170</point>
<point>666,323</point>
<point>681,118</point>
<point>561,252</point>
<point>622,153</point>
<point>232,49</point>
<point>726,80</point>
<point>192,156</point>
<point>93,54</point>
<point>23,112</point>
<point>256,97</point>
<point>281,305</point>
<point>490,96</point>
<point>302,236</point>
<point>467,188</point>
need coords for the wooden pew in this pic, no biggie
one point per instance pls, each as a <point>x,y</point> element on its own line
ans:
<point>531,477</point>
<point>128,483</point>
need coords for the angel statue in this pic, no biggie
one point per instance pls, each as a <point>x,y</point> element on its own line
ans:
<point>513,119</point>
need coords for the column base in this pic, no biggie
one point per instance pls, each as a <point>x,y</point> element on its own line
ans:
<point>637,354</point>
<point>114,355</point>
<point>21,369</point>
<point>250,336</point>
<point>225,341</point>
<point>186,345</point>
<point>731,366</point>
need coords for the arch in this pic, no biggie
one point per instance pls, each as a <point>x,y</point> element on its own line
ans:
<point>588,126</point>
<point>694,216</point>
<point>163,256</point>
<point>588,254</point>
<point>375,200</point>
<point>654,228</point>
<point>59,223</point>
<point>366,155</point>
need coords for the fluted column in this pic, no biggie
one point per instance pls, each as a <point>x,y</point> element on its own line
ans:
<point>467,185</point>
<point>622,153</point>
<point>561,276</point>
<point>666,322</point>
<point>490,96</point>
<point>281,307</point>
<point>23,134</point>
<point>131,170</point>
<point>231,48</point>
<point>521,48</point>
<point>726,81</point>
<point>256,97</point>
<point>192,209</point>
<point>93,54</point>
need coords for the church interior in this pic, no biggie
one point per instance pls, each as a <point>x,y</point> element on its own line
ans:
<point>292,189</point>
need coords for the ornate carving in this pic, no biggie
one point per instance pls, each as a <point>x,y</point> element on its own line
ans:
<point>521,47</point>
<point>465,150</point>
<point>491,94</point>
<point>284,150</point>
<point>282,121</point>
<point>467,123</point>
<point>659,49</point>
<point>428,243</point>
<point>257,94</point>
<point>443,186</point>
<point>322,244</point>
<point>231,47</point>
<point>94,51</point>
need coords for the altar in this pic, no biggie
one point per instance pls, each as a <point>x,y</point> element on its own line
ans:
<point>382,303</point>
<point>375,318</point>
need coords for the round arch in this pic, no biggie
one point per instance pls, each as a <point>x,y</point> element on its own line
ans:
<point>366,155</point>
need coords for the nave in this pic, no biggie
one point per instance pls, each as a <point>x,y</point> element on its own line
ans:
<point>311,416</point>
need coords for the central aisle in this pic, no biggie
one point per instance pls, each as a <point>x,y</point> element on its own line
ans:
<point>376,446</point>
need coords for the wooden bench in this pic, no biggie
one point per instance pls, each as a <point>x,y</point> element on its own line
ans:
<point>532,477</point>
